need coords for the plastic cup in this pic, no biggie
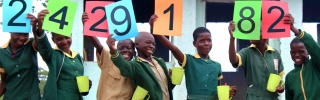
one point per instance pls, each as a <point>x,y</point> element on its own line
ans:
<point>83,83</point>
<point>223,92</point>
<point>177,75</point>
<point>273,82</point>
<point>140,93</point>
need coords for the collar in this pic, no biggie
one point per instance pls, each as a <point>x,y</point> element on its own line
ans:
<point>144,60</point>
<point>73,54</point>
<point>196,55</point>
<point>7,44</point>
<point>269,48</point>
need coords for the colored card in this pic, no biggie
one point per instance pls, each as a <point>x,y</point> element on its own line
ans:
<point>97,24</point>
<point>61,17</point>
<point>121,20</point>
<point>272,19</point>
<point>15,16</point>
<point>169,20</point>
<point>247,18</point>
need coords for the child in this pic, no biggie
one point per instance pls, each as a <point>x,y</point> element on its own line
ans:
<point>203,75</point>
<point>258,61</point>
<point>112,86</point>
<point>64,65</point>
<point>147,71</point>
<point>19,67</point>
<point>302,83</point>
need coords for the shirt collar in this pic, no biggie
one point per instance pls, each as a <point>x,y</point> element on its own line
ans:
<point>269,48</point>
<point>73,54</point>
<point>196,55</point>
<point>7,44</point>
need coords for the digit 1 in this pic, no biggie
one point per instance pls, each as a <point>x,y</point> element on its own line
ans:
<point>171,9</point>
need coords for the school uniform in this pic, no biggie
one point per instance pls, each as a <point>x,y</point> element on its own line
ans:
<point>302,83</point>
<point>112,86</point>
<point>257,69</point>
<point>202,77</point>
<point>63,70</point>
<point>155,80</point>
<point>22,81</point>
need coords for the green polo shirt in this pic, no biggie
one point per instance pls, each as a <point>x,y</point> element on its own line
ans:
<point>302,83</point>
<point>22,72</point>
<point>257,69</point>
<point>201,76</point>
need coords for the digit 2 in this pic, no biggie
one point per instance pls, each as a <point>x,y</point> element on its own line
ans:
<point>62,22</point>
<point>126,19</point>
<point>271,28</point>
<point>93,27</point>
<point>171,9</point>
<point>24,7</point>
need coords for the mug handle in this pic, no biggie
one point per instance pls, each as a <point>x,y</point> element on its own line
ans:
<point>148,96</point>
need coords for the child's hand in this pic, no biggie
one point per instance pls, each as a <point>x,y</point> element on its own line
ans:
<point>111,44</point>
<point>84,17</point>
<point>33,22</point>
<point>152,19</point>
<point>231,28</point>
<point>170,72</point>
<point>289,19</point>
<point>280,87</point>
<point>233,91</point>
<point>40,19</point>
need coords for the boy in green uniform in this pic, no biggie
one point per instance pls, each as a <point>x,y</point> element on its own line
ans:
<point>203,75</point>
<point>64,65</point>
<point>19,67</point>
<point>302,83</point>
<point>146,71</point>
<point>112,86</point>
<point>258,61</point>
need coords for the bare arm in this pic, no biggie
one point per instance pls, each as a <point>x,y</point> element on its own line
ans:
<point>33,23</point>
<point>175,50</point>
<point>3,84</point>
<point>232,51</point>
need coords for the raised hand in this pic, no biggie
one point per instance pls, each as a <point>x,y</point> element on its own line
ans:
<point>111,44</point>
<point>231,28</point>
<point>84,17</point>
<point>41,16</point>
<point>152,19</point>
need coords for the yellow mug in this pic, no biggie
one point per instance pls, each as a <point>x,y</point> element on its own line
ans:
<point>177,75</point>
<point>140,93</point>
<point>273,82</point>
<point>223,92</point>
<point>83,83</point>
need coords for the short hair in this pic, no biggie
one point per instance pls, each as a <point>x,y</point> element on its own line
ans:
<point>132,44</point>
<point>198,31</point>
<point>296,40</point>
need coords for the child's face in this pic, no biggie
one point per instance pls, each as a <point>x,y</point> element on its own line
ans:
<point>18,39</point>
<point>298,53</point>
<point>203,43</point>
<point>146,46</point>
<point>126,49</point>
<point>61,41</point>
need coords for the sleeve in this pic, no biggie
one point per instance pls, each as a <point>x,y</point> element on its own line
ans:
<point>183,64</point>
<point>312,47</point>
<point>287,90</point>
<point>127,68</point>
<point>44,47</point>
<point>242,55</point>
<point>280,65</point>
<point>220,76</point>
<point>2,69</point>
<point>104,59</point>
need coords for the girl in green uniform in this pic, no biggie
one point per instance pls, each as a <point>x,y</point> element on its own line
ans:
<point>64,65</point>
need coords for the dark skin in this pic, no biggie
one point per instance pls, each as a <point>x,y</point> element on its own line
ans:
<point>260,44</point>
<point>125,47</point>
<point>17,41</point>
<point>203,44</point>
<point>62,42</point>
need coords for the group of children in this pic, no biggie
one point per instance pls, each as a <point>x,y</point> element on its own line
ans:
<point>122,70</point>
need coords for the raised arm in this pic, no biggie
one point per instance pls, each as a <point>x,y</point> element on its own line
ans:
<point>33,23</point>
<point>233,58</point>
<point>175,50</point>
<point>94,40</point>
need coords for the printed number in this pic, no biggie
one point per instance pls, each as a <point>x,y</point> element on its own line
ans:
<point>93,27</point>
<point>24,7</point>
<point>271,28</point>
<point>126,19</point>
<point>62,22</point>
<point>249,18</point>
<point>171,9</point>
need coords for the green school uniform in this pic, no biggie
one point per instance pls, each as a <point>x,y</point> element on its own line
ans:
<point>201,77</point>
<point>22,81</point>
<point>257,69</point>
<point>142,75</point>
<point>303,82</point>
<point>63,70</point>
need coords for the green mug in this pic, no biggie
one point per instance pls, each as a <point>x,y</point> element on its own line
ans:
<point>140,93</point>
<point>177,75</point>
<point>273,82</point>
<point>83,83</point>
<point>223,92</point>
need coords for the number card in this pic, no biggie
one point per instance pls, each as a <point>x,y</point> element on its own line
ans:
<point>15,16</point>
<point>169,20</point>
<point>121,20</point>
<point>97,24</point>
<point>272,19</point>
<point>247,15</point>
<point>61,17</point>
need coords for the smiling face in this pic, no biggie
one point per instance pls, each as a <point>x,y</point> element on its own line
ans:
<point>18,39</point>
<point>298,53</point>
<point>145,44</point>
<point>203,43</point>
<point>62,42</point>
<point>126,48</point>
